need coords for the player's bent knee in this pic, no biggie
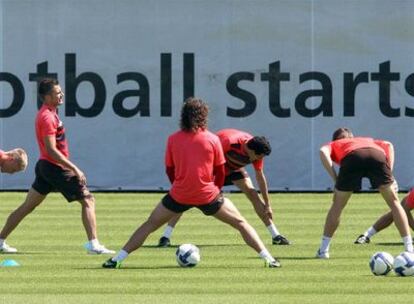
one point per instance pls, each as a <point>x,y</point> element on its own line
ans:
<point>244,226</point>
<point>239,222</point>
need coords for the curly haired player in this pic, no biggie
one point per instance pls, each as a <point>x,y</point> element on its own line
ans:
<point>240,149</point>
<point>194,162</point>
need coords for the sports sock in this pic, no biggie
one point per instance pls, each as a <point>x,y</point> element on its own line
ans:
<point>408,243</point>
<point>326,241</point>
<point>168,231</point>
<point>1,242</point>
<point>94,243</point>
<point>265,255</point>
<point>121,255</point>
<point>273,230</point>
<point>370,232</point>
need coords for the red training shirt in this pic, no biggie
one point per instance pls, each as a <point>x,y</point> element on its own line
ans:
<point>342,147</point>
<point>48,123</point>
<point>232,141</point>
<point>194,156</point>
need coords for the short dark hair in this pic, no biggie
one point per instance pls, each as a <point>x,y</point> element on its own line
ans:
<point>46,85</point>
<point>342,133</point>
<point>260,145</point>
<point>194,115</point>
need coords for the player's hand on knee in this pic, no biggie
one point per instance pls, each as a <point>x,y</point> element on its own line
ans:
<point>81,176</point>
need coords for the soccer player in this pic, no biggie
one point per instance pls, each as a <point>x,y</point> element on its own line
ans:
<point>54,171</point>
<point>240,149</point>
<point>359,157</point>
<point>194,162</point>
<point>13,161</point>
<point>386,220</point>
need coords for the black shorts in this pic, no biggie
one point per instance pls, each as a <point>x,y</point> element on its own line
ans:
<point>365,162</point>
<point>208,209</point>
<point>50,177</point>
<point>235,175</point>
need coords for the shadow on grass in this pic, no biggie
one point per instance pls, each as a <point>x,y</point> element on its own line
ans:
<point>99,267</point>
<point>390,244</point>
<point>297,258</point>
<point>126,268</point>
<point>22,253</point>
<point>156,246</point>
<point>198,245</point>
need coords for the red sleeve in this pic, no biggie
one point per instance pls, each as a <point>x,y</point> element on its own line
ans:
<point>170,173</point>
<point>219,175</point>
<point>225,143</point>
<point>219,158</point>
<point>168,155</point>
<point>258,164</point>
<point>384,146</point>
<point>333,151</point>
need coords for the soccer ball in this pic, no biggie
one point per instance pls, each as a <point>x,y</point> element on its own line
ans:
<point>187,255</point>
<point>381,263</point>
<point>404,264</point>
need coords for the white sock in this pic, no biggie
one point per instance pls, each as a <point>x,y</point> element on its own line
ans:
<point>326,241</point>
<point>370,232</point>
<point>168,231</point>
<point>408,243</point>
<point>265,255</point>
<point>121,255</point>
<point>94,243</point>
<point>1,242</point>
<point>273,230</point>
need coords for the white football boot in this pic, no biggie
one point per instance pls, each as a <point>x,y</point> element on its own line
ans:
<point>98,249</point>
<point>322,255</point>
<point>7,249</point>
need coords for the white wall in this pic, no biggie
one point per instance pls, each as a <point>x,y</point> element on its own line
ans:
<point>109,38</point>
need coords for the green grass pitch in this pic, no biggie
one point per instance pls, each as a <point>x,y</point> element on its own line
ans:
<point>56,269</point>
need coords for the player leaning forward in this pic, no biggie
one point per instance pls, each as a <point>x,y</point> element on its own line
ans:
<point>54,171</point>
<point>194,158</point>
<point>360,157</point>
<point>240,149</point>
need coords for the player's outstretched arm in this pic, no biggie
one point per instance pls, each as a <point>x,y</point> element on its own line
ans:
<point>388,148</point>
<point>262,183</point>
<point>326,160</point>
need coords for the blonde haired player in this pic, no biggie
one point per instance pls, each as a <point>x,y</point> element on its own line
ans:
<point>13,161</point>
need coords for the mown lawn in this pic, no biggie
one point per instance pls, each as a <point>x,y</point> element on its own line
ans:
<point>56,269</point>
